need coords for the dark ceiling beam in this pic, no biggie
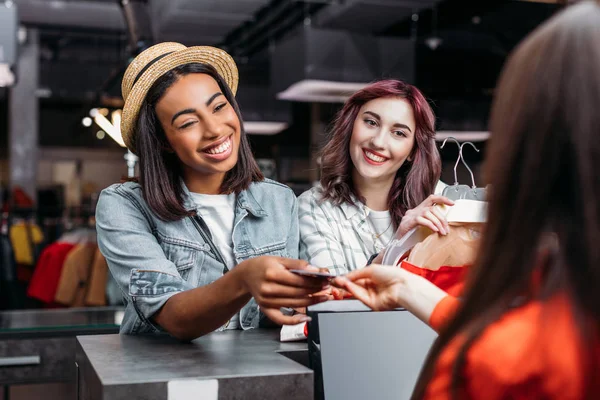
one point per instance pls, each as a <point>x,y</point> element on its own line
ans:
<point>138,24</point>
<point>269,23</point>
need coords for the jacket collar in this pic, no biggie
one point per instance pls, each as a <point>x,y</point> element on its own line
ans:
<point>350,210</point>
<point>245,200</point>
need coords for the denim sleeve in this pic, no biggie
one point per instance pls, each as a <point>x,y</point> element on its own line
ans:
<point>294,235</point>
<point>134,256</point>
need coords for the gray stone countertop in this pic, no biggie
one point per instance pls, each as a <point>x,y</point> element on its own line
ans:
<point>248,365</point>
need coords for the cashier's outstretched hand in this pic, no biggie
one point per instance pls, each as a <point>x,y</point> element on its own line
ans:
<point>273,286</point>
<point>380,287</point>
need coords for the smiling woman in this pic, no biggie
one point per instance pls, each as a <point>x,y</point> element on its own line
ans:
<point>379,173</point>
<point>202,240</point>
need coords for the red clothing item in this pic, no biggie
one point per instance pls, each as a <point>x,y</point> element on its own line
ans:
<point>450,279</point>
<point>46,275</point>
<point>532,352</point>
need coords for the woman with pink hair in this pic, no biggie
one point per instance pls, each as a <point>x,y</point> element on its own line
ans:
<point>380,171</point>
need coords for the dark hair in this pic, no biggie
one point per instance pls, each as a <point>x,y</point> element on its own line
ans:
<point>160,170</point>
<point>414,181</point>
<point>542,166</point>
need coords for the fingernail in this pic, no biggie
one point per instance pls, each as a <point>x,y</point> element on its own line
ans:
<point>305,318</point>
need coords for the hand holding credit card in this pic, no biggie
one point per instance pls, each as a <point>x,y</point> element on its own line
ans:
<point>314,274</point>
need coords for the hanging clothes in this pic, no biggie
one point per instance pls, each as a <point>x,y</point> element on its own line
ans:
<point>96,293</point>
<point>44,282</point>
<point>445,259</point>
<point>9,291</point>
<point>24,237</point>
<point>75,275</point>
<point>458,247</point>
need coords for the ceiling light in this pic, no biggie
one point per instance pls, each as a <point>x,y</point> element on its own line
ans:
<point>433,42</point>
<point>114,131</point>
<point>310,90</point>
<point>100,135</point>
<point>264,127</point>
<point>87,122</point>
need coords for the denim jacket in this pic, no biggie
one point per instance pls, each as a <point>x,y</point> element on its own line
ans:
<point>152,260</point>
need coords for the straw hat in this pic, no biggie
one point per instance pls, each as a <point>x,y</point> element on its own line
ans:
<point>157,60</point>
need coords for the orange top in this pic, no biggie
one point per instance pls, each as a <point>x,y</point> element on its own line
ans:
<point>532,352</point>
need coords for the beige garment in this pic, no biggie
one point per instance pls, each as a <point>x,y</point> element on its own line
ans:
<point>75,275</point>
<point>96,294</point>
<point>457,248</point>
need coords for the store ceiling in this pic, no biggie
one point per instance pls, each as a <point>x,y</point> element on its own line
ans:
<point>84,42</point>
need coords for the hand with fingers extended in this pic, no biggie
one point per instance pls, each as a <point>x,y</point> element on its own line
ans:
<point>273,286</point>
<point>386,288</point>
<point>379,287</point>
<point>426,214</point>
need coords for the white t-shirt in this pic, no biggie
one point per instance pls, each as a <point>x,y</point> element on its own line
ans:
<point>218,211</point>
<point>380,225</point>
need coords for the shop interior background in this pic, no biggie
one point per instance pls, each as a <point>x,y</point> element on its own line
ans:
<point>298,62</point>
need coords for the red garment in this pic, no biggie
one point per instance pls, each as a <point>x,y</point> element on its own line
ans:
<point>21,199</point>
<point>449,279</point>
<point>46,275</point>
<point>531,352</point>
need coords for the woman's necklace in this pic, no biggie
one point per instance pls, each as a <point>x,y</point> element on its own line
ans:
<point>378,235</point>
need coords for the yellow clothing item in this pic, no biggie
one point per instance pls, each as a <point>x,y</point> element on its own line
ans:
<point>23,242</point>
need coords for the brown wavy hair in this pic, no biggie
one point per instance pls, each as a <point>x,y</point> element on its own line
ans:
<point>543,166</point>
<point>415,180</point>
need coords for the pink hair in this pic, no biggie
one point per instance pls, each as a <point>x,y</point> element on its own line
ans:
<point>414,181</point>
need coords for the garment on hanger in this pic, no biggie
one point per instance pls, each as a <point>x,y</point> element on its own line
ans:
<point>45,278</point>
<point>458,247</point>
<point>75,275</point>
<point>24,236</point>
<point>444,259</point>
<point>9,291</point>
<point>49,268</point>
<point>450,279</point>
<point>96,293</point>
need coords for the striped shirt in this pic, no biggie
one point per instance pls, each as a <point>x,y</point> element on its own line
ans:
<point>339,238</point>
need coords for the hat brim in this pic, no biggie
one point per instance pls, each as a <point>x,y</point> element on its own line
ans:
<point>217,58</point>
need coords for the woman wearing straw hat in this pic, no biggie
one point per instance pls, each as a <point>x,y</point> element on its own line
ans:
<point>203,239</point>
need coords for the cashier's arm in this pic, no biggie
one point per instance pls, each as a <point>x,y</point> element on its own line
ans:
<point>385,288</point>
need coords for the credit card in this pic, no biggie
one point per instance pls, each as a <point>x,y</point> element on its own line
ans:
<point>313,274</point>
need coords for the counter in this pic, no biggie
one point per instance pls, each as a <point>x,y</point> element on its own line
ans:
<point>247,365</point>
<point>38,346</point>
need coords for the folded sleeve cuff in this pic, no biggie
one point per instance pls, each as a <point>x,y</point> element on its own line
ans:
<point>150,290</point>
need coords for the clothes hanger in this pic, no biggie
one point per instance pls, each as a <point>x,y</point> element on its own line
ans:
<point>469,207</point>
<point>455,191</point>
<point>473,193</point>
